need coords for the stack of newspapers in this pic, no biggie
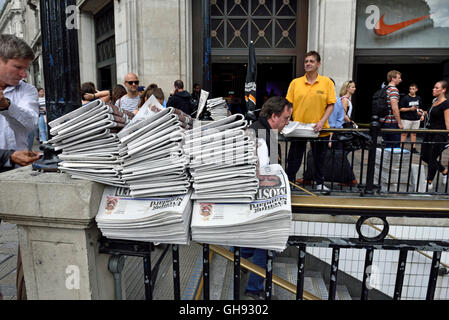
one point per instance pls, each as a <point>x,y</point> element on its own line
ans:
<point>296,129</point>
<point>218,108</point>
<point>162,219</point>
<point>223,161</point>
<point>154,163</point>
<point>89,143</point>
<point>264,223</point>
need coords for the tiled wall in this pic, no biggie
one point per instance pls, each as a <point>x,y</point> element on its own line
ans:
<point>385,262</point>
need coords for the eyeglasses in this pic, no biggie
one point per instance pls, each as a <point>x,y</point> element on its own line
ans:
<point>133,82</point>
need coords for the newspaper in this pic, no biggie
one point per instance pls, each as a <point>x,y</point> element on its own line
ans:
<point>263,223</point>
<point>164,220</point>
<point>151,150</point>
<point>201,104</point>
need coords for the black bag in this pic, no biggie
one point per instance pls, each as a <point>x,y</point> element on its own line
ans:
<point>336,167</point>
<point>352,141</point>
<point>379,103</point>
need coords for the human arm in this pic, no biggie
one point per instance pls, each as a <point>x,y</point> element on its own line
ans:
<point>21,158</point>
<point>103,95</point>
<point>320,124</point>
<point>23,108</point>
<point>395,109</point>
<point>446,118</point>
<point>345,104</point>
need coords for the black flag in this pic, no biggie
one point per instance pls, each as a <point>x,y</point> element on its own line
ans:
<point>250,84</point>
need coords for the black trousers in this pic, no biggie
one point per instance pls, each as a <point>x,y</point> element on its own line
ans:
<point>430,153</point>
<point>296,154</point>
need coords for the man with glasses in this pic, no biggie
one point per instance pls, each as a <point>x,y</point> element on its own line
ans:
<point>130,101</point>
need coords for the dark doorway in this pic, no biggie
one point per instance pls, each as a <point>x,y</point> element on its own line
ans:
<point>369,78</point>
<point>228,81</point>
<point>105,47</point>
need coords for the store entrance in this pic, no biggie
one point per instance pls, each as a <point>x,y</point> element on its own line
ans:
<point>369,77</point>
<point>228,81</point>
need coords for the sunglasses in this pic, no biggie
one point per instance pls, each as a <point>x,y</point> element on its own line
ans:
<point>133,82</point>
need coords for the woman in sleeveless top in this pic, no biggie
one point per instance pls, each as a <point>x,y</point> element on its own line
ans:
<point>438,120</point>
<point>346,92</point>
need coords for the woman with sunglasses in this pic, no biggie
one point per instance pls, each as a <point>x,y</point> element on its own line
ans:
<point>434,144</point>
<point>346,92</point>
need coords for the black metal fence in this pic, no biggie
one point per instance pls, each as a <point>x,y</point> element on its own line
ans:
<point>141,249</point>
<point>362,161</point>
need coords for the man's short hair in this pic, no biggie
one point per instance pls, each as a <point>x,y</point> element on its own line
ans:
<point>12,47</point>
<point>179,84</point>
<point>392,74</point>
<point>413,85</point>
<point>315,54</point>
<point>274,105</point>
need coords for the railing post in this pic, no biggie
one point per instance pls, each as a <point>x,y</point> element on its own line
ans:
<point>236,273</point>
<point>400,275</point>
<point>301,265</point>
<point>334,273</point>
<point>147,273</point>
<point>374,133</point>
<point>176,275</point>
<point>433,275</point>
<point>206,276</point>
<point>366,273</point>
<point>269,275</point>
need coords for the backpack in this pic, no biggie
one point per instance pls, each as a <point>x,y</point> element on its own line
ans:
<point>379,103</point>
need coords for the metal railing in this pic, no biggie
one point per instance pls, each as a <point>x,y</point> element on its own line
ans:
<point>377,174</point>
<point>377,168</point>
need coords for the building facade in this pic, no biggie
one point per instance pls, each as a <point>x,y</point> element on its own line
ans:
<point>161,41</point>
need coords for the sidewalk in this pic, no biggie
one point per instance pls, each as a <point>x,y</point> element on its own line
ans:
<point>9,244</point>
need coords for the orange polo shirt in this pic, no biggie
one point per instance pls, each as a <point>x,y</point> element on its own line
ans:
<point>310,100</point>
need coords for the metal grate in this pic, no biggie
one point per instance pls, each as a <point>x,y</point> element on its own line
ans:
<point>270,24</point>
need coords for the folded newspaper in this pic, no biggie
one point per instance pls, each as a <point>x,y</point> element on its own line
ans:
<point>89,143</point>
<point>264,223</point>
<point>300,130</point>
<point>218,108</point>
<point>217,153</point>
<point>154,163</point>
<point>163,219</point>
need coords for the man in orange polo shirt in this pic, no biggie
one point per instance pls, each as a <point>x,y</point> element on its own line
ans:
<point>313,97</point>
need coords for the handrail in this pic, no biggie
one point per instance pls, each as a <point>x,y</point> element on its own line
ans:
<point>261,272</point>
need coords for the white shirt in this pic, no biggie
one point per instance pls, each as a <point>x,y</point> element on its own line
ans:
<point>20,118</point>
<point>262,153</point>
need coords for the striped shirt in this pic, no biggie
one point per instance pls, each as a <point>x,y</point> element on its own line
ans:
<point>392,93</point>
<point>127,103</point>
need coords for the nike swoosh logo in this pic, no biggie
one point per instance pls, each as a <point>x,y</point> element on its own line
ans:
<point>383,29</point>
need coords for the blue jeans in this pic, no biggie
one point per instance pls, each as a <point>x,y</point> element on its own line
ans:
<point>392,139</point>
<point>42,128</point>
<point>255,283</point>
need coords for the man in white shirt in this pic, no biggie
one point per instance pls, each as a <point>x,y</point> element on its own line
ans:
<point>130,101</point>
<point>19,108</point>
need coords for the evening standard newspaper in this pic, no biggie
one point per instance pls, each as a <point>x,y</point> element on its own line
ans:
<point>158,219</point>
<point>264,223</point>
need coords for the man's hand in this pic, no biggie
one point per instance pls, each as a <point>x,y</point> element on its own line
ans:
<point>318,126</point>
<point>4,103</point>
<point>400,126</point>
<point>24,158</point>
